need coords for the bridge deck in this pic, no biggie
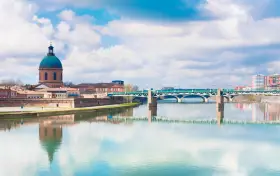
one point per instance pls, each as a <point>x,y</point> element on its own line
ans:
<point>196,121</point>
<point>196,92</point>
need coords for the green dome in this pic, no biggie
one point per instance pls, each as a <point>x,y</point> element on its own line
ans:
<point>50,61</point>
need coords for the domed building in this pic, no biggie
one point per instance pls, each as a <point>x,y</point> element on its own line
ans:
<point>50,70</point>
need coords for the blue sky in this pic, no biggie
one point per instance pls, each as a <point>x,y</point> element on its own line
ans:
<point>151,43</point>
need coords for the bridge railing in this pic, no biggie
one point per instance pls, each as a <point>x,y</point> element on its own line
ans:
<point>201,91</point>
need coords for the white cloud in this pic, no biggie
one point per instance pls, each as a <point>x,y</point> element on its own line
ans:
<point>76,31</point>
<point>67,15</point>
<point>147,52</point>
<point>19,35</point>
<point>273,67</point>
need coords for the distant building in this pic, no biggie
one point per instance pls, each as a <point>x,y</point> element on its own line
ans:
<point>50,70</point>
<point>167,88</point>
<point>94,95</point>
<point>245,88</point>
<point>93,88</point>
<point>239,87</point>
<point>63,92</point>
<point>272,82</point>
<point>120,82</point>
<point>7,93</point>
<point>258,82</point>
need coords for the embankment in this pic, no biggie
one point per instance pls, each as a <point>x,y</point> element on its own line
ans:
<point>248,98</point>
<point>251,98</point>
<point>56,102</point>
<point>270,99</point>
<point>257,98</point>
<point>63,111</point>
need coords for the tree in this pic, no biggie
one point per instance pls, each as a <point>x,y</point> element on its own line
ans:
<point>135,88</point>
<point>68,84</point>
<point>130,88</point>
<point>11,82</point>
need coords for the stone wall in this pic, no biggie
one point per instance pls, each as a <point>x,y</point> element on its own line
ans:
<point>15,102</point>
<point>270,99</point>
<point>88,102</point>
<point>62,103</point>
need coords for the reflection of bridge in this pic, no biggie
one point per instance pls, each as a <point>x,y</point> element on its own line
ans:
<point>196,121</point>
<point>180,94</point>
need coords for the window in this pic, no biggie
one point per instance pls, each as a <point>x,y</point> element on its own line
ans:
<point>54,76</point>
<point>46,76</point>
<point>61,76</point>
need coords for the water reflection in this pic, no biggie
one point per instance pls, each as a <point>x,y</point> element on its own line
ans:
<point>8,125</point>
<point>50,132</point>
<point>261,111</point>
<point>72,146</point>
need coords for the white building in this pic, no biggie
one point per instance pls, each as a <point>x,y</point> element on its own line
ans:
<point>258,82</point>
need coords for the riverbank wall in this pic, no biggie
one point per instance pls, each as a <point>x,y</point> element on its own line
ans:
<point>61,103</point>
<point>252,98</point>
<point>270,99</point>
<point>257,98</point>
<point>43,113</point>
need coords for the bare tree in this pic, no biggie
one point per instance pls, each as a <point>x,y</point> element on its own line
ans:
<point>135,88</point>
<point>11,82</point>
<point>128,87</point>
<point>68,84</point>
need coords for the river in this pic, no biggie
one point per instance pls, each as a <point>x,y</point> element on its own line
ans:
<point>92,144</point>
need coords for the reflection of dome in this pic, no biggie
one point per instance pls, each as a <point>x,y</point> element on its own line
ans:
<point>50,138</point>
<point>51,146</point>
<point>50,61</point>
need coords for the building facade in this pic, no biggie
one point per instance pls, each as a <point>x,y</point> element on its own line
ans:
<point>258,82</point>
<point>99,88</point>
<point>50,70</point>
<point>7,93</point>
<point>62,93</point>
<point>272,82</point>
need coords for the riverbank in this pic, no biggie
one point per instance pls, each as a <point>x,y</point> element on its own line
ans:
<point>252,99</point>
<point>63,111</point>
<point>248,98</point>
<point>257,99</point>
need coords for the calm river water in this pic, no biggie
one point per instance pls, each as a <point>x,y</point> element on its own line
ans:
<point>90,144</point>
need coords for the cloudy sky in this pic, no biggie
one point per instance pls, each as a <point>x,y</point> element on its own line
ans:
<point>151,43</point>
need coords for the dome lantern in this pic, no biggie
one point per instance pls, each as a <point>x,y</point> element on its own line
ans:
<point>51,53</point>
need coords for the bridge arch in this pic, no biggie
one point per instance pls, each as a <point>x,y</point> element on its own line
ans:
<point>139,99</point>
<point>169,96</point>
<point>204,97</point>
<point>229,98</point>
